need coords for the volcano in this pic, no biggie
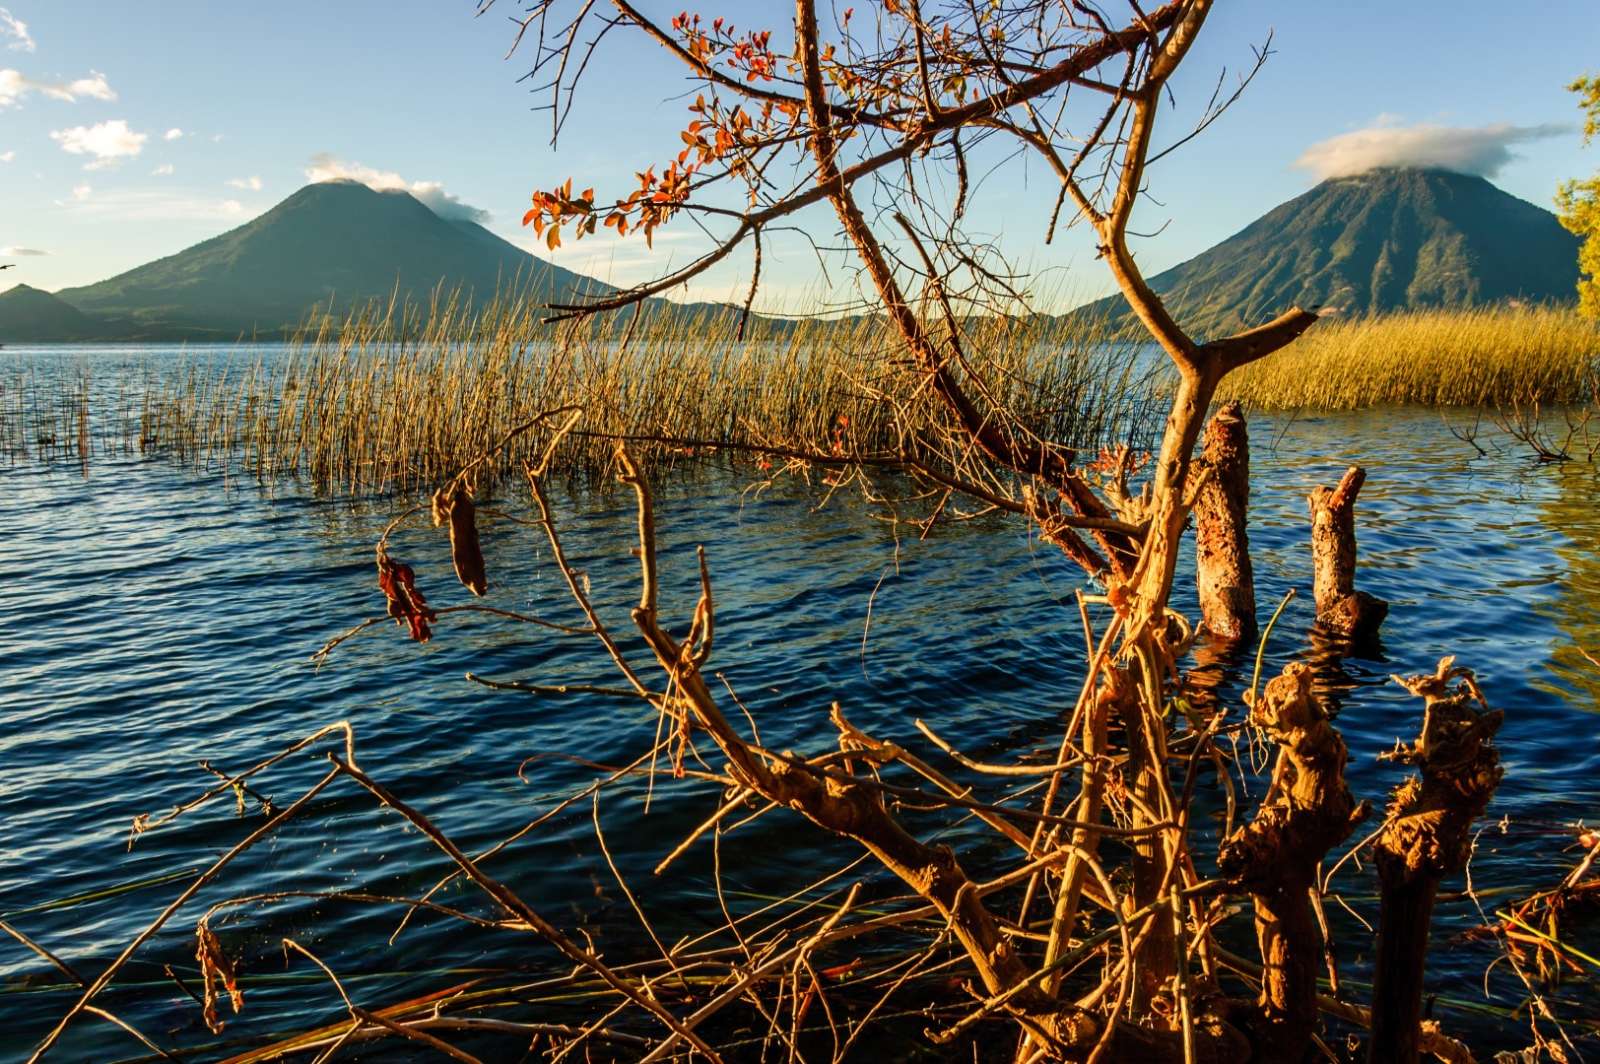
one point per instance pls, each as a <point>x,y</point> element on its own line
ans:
<point>1377,242</point>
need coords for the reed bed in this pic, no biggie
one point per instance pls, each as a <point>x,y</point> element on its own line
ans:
<point>396,399</point>
<point>1492,357</point>
<point>66,416</point>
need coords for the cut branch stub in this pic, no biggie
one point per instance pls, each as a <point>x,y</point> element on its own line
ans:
<point>1425,838</point>
<point>1223,574</point>
<point>1307,812</point>
<point>1341,609</point>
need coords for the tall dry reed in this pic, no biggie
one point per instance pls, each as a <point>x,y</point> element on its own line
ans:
<point>1488,357</point>
<point>394,399</point>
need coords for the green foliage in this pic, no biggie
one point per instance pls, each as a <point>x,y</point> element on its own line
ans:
<point>1579,203</point>
<point>1588,90</point>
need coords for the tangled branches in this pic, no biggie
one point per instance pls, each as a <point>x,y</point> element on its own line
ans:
<point>1099,940</point>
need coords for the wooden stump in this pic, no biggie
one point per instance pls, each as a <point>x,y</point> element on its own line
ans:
<point>1341,609</point>
<point>1427,836</point>
<point>1223,575</point>
<point>1307,812</point>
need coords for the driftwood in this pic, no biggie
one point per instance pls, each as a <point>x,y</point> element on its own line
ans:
<point>1308,810</point>
<point>1223,573</point>
<point>1341,609</point>
<point>1425,838</point>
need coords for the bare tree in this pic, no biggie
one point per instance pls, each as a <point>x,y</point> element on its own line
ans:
<point>878,118</point>
<point>875,103</point>
<point>906,84</point>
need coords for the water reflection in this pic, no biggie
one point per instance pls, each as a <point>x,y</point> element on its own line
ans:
<point>1573,509</point>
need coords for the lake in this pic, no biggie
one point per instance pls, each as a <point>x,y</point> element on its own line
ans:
<point>157,616</point>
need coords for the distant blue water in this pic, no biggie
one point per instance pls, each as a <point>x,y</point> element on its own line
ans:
<point>153,618</point>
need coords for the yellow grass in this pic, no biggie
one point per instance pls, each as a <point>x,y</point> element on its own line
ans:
<point>1490,357</point>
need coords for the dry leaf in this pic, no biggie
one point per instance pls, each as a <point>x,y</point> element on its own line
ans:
<point>215,968</point>
<point>453,503</point>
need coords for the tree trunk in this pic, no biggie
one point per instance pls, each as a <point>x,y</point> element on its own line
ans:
<point>1427,837</point>
<point>1341,609</point>
<point>1145,730</point>
<point>1223,574</point>
<point>1403,925</point>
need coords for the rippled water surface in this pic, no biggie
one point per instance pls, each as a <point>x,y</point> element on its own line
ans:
<point>155,617</point>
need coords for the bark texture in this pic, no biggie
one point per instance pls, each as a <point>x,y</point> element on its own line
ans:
<point>1308,810</point>
<point>1341,609</point>
<point>1223,574</point>
<point>1425,838</point>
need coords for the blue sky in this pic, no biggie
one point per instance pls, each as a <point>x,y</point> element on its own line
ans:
<point>129,131</point>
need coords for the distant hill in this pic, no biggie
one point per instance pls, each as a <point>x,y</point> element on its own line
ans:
<point>28,314</point>
<point>329,246</point>
<point>1385,240</point>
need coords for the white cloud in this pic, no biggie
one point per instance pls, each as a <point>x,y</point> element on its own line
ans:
<point>82,192</point>
<point>172,134</point>
<point>7,156</point>
<point>17,31</point>
<point>1481,150</point>
<point>164,170</point>
<point>432,194</point>
<point>249,184</point>
<point>16,252</point>
<point>14,87</point>
<point>94,87</point>
<point>108,142</point>
<point>160,205</point>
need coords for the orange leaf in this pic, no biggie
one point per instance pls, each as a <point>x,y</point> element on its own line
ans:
<point>215,968</point>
